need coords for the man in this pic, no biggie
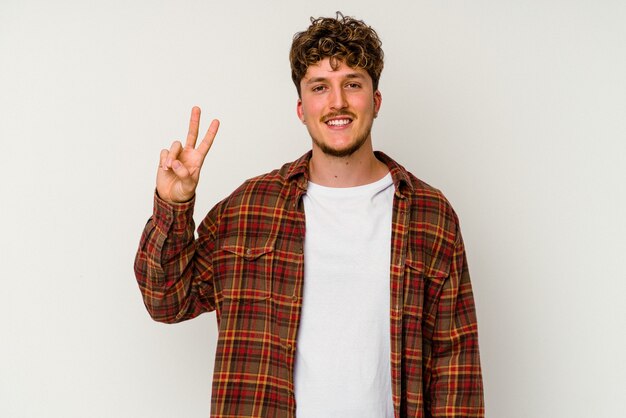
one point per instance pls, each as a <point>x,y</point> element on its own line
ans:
<point>339,281</point>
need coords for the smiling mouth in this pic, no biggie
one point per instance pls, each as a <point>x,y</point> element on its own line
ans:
<point>339,122</point>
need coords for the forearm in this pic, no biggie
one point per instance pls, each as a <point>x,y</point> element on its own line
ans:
<point>173,278</point>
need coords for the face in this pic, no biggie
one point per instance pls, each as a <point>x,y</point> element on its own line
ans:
<point>338,107</point>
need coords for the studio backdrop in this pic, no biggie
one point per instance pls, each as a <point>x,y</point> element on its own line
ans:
<point>515,110</point>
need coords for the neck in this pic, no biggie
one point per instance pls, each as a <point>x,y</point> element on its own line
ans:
<point>358,169</point>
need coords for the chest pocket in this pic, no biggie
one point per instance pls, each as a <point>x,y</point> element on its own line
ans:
<point>422,287</point>
<point>243,267</point>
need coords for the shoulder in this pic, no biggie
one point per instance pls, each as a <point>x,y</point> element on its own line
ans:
<point>270,182</point>
<point>273,183</point>
<point>266,190</point>
<point>423,198</point>
<point>433,226</point>
<point>431,201</point>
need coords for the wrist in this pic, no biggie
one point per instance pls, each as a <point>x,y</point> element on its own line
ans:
<point>174,201</point>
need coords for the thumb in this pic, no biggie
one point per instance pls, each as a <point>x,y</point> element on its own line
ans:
<point>180,170</point>
<point>187,184</point>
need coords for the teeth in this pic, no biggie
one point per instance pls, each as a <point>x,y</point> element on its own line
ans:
<point>338,122</point>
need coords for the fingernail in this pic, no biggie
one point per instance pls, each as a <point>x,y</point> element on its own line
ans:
<point>176,165</point>
<point>168,163</point>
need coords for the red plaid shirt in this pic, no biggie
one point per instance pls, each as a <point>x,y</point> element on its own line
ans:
<point>247,265</point>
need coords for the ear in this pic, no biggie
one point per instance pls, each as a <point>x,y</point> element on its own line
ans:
<point>378,100</point>
<point>300,111</point>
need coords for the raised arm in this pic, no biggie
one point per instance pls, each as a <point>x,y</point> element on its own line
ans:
<point>174,270</point>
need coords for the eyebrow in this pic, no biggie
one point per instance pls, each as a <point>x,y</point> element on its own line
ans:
<point>321,79</point>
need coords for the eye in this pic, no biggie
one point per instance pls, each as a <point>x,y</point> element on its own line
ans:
<point>353,85</point>
<point>319,88</point>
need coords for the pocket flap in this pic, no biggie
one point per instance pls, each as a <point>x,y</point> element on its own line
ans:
<point>248,249</point>
<point>422,286</point>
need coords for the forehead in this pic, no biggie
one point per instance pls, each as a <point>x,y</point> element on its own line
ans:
<point>323,70</point>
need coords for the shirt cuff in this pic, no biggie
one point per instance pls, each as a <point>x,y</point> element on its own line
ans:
<point>166,215</point>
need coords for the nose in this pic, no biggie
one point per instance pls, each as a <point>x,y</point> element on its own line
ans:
<point>337,99</point>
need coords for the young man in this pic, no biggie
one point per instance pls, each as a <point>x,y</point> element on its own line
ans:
<point>339,281</point>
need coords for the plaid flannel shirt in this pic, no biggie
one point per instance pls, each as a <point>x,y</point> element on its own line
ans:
<point>247,265</point>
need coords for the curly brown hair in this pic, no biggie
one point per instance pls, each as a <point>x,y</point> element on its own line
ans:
<point>342,39</point>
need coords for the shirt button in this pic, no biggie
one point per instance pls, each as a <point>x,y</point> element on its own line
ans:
<point>294,298</point>
<point>248,251</point>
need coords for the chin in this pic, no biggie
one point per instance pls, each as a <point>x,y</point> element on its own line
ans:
<point>341,152</point>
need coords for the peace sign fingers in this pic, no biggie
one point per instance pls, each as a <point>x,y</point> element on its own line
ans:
<point>207,141</point>
<point>192,135</point>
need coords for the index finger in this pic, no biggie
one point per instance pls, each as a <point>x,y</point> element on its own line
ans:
<point>194,124</point>
<point>207,141</point>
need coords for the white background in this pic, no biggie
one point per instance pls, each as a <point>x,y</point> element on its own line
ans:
<point>515,109</point>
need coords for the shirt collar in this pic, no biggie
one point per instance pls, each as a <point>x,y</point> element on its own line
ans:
<point>298,171</point>
<point>401,178</point>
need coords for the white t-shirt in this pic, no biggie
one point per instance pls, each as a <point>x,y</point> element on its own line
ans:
<point>342,367</point>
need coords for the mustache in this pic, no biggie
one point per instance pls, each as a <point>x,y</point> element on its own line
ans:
<point>331,115</point>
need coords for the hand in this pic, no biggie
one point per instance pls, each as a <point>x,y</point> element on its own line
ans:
<point>179,169</point>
